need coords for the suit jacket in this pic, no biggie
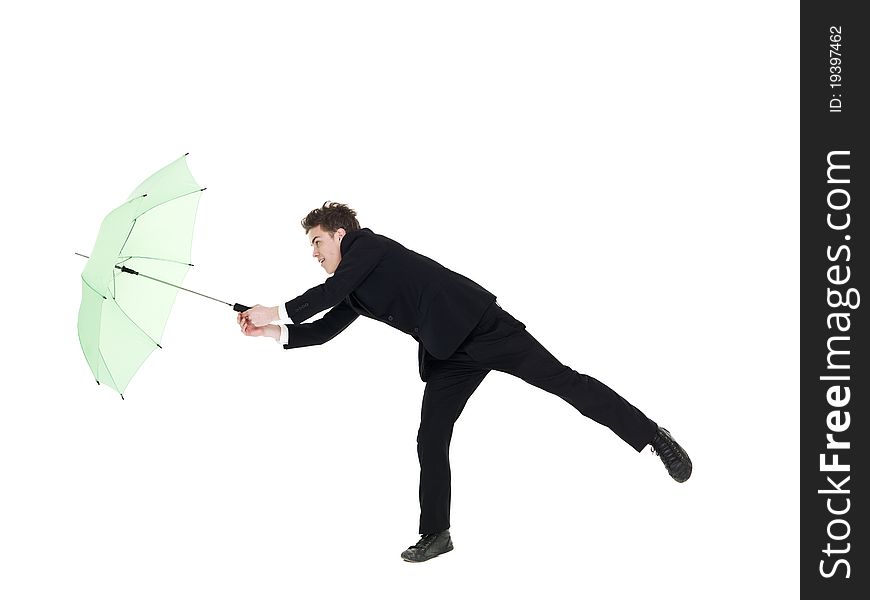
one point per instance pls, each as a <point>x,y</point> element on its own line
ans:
<point>381,279</point>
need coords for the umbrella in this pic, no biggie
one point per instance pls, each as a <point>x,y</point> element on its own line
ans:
<point>134,272</point>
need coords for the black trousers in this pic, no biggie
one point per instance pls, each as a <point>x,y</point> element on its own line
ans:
<point>500,342</point>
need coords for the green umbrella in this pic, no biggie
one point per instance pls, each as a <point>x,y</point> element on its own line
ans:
<point>130,281</point>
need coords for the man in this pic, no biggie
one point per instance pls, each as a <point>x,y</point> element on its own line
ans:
<point>462,333</point>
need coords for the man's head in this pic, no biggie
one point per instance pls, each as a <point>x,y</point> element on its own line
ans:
<point>325,227</point>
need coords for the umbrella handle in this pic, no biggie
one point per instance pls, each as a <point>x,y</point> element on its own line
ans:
<point>240,307</point>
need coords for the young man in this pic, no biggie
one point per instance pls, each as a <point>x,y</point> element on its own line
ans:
<point>463,335</point>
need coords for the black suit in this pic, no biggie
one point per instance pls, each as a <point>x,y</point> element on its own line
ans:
<point>463,334</point>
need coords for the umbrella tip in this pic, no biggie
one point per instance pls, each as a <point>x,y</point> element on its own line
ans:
<point>159,346</point>
<point>203,189</point>
<point>122,396</point>
<point>186,153</point>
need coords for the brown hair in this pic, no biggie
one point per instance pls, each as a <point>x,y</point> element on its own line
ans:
<point>330,217</point>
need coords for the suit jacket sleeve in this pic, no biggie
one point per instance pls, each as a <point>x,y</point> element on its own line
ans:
<point>322,330</point>
<point>356,264</point>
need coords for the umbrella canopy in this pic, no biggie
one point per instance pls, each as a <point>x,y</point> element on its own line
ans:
<point>122,316</point>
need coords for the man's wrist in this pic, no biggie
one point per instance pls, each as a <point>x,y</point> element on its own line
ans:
<point>274,332</point>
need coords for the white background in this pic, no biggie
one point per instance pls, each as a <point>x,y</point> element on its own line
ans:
<point>624,176</point>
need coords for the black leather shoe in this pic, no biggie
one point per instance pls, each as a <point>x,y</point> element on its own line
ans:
<point>429,546</point>
<point>676,460</point>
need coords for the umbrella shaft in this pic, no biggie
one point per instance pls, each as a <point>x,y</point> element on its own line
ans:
<point>176,286</point>
<point>132,272</point>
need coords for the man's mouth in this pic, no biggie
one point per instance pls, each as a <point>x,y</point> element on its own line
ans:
<point>321,260</point>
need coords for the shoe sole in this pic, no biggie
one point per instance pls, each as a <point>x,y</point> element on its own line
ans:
<point>685,479</point>
<point>428,558</point>
<point>684,453</point>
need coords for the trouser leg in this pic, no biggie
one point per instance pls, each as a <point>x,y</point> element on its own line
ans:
<point>504,345</point>
<point>443,400</point>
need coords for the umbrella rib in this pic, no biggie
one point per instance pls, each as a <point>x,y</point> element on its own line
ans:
<point>152,208</point>
<point>114,289</point>
<point>165,201</point>
<point>129,233</point>
<point>129,318</point>
<point>85,281</point>
<point>105,364</point>
<point>132,225</point>
<point>180,262</point>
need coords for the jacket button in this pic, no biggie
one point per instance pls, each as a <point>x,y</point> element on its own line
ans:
<point>416,330</point>
<point>390,318</point>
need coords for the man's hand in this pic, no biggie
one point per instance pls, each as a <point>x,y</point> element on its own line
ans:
<point>251,330</point>
<point>259,315</point>
<point>254,322</point>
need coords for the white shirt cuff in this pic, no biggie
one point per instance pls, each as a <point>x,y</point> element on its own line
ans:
<point>285,335</point>
<point>282,312</point>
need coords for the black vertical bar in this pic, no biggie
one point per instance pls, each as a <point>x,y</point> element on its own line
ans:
<point>834,370</point>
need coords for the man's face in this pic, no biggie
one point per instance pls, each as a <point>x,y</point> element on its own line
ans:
<point>326,247</point>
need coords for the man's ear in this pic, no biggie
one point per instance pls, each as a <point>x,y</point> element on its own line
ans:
<point>340,232</point>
